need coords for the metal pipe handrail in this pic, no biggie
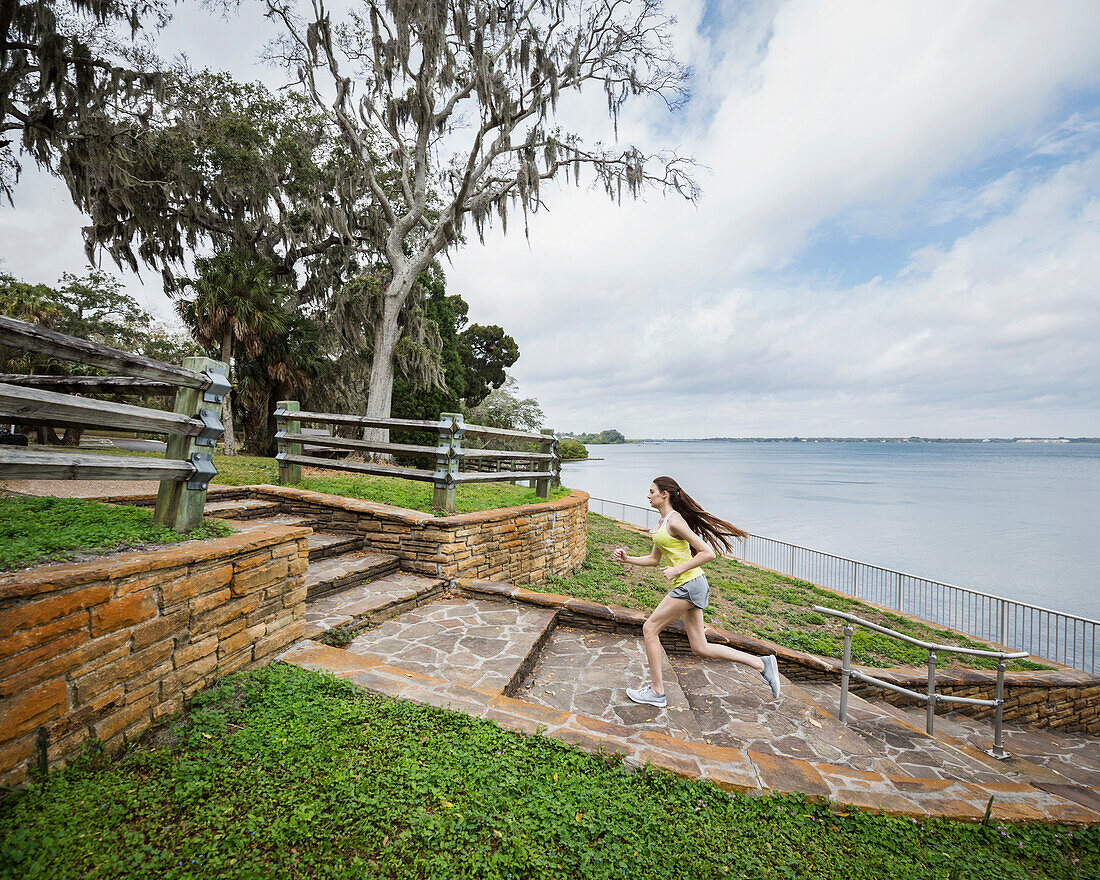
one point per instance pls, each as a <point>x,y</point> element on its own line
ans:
<point>931,698</point>
<point>928,646</point>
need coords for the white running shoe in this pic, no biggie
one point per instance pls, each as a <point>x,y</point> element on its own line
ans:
<point>646,695</point>
<point>770,674</point>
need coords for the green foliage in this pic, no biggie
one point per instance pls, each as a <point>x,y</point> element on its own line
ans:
<point>503,408</point>
<point>411,399</point>
<point>94,307</point>
<point>37,530</point>
<point>747,599</point>
<point>473,359</point>
<point>238,310</point>
<point>284,773</point>
<point>418,496</point>
<point>611,435</point>
<point>338,636</point>
<point>486,353</point>
<point>571,450</point>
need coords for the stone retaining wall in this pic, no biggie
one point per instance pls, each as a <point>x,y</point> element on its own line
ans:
<point>525,545</point>
<point>103,649</point>
<point>1064,699</point>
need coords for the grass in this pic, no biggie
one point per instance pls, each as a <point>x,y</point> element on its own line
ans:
<point>764,604</point>
<point>38,530</point>
<point>284,773</point>
<point>242,470</point>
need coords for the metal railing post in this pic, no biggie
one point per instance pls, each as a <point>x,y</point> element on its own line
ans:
<point>448,459</point>
<point>289,474</point>
<point>846,670</point>
<point>930,721</point>
<point>179,505</point>
<point>998,751</point>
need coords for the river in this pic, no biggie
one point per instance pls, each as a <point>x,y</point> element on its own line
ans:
<point>1019,520</point>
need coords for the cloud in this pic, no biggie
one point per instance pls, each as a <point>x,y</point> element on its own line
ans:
<point>852,115</point>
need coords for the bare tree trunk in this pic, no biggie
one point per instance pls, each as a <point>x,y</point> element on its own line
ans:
<point>228,440</point>
<point>380,388</point>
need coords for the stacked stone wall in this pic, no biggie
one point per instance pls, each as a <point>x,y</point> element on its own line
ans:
<point>1067,700</point>
<point>524,545</point>
<point>104,649</point>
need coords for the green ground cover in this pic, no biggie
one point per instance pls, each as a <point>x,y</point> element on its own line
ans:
<point>37,530</point>
<point>283,773</point>
<point>770,606</point>
<point>243,470</point>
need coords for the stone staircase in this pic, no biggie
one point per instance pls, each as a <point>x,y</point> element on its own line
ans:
<point>520,658</point>
<point>346,586</point>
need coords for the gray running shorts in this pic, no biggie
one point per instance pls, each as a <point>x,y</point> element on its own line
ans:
<point>696,591</point>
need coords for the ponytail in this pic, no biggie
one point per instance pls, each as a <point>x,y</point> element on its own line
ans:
<point>716,532</point>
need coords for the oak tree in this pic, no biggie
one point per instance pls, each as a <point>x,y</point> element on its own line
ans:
<point>446,110</point>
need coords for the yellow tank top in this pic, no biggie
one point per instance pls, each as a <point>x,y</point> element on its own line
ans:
<point>674,552</point>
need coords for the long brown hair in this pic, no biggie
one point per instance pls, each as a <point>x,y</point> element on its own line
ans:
<point>716,532</point>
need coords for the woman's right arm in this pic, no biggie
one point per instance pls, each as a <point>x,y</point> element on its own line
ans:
<point>654,558</point>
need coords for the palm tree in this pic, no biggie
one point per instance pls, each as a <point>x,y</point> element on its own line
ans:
<point>236,306</point>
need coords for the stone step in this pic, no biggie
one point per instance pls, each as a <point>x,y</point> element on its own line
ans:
<point>369,603</point>
<point>906,748</point>
<point>286,519</point>
<point>1073,756</point>
<point>323,545</point>
<point>725,704</point>
<point>338,573</point>
<point>588,672</point>
<point>245,508</point>
<point>479,643</point>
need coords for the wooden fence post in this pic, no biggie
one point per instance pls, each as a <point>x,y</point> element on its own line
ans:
<point>448,459</point>
<point>289,474</point>
<point>544,484</point>
<point>179,505</point>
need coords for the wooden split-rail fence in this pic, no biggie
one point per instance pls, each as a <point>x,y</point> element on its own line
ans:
<point>199,386</point>
<point>531,457</point>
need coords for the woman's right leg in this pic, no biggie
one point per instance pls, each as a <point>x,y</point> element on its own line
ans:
<point>696,633</point>
<point>665,613</point>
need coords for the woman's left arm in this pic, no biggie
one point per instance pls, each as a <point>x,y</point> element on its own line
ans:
<point>704,553</point>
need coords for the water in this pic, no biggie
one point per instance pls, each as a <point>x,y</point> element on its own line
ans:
<point>1019,520</point>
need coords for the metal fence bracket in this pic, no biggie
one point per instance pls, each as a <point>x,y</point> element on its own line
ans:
<point>203,462</point>
<point>218,388</point>
<point>212,428</point>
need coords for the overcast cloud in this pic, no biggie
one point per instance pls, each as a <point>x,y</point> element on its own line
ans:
<point>899,232</point>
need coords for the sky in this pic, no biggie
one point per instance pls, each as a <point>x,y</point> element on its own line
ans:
<point>898,233</point>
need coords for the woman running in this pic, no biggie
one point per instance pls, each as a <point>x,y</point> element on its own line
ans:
<point>684,540</point>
